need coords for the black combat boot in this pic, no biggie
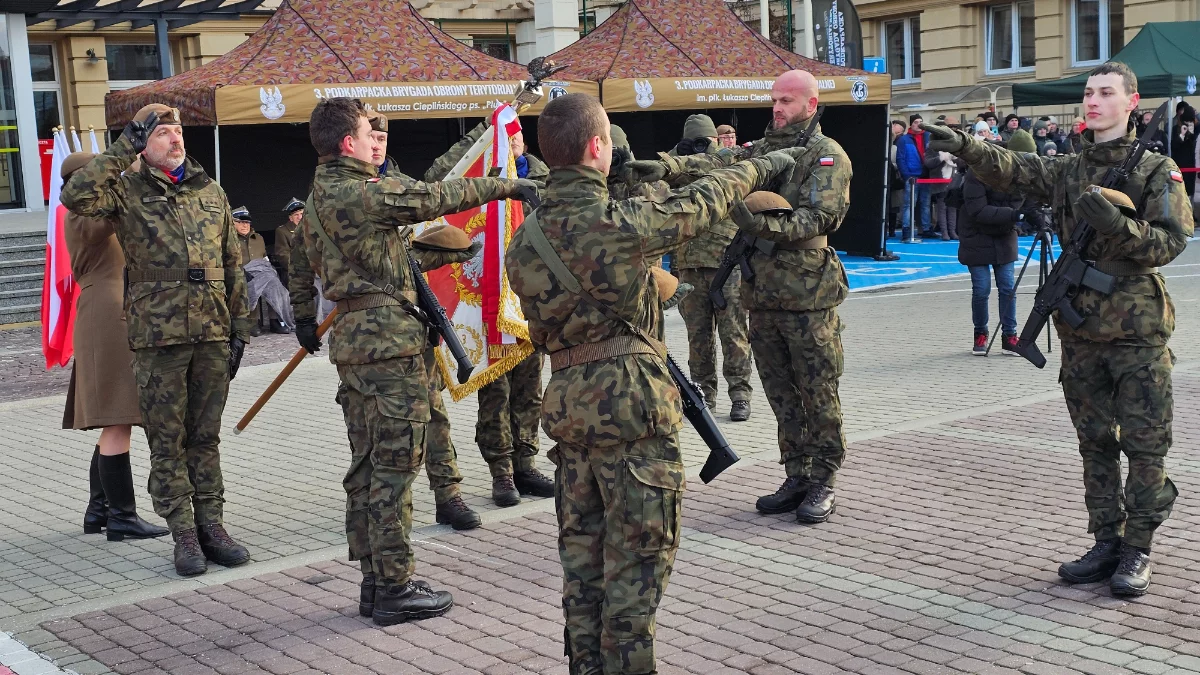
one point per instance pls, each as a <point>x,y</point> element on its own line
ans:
<point>413,601</point>
<point>739,411</point>
<point>123,519</point>
<point>818,505</point>
<point>366,593</point>
<point>189,559</point>
<point>504,491</point>
<point>1133,575</point>
<point>280,327</point>
<point>455,513</point>
<point>220,548</point>
<point>533,483</point>
<point>786,498</point>
<point>1097,564</point>
<point>96,515</point>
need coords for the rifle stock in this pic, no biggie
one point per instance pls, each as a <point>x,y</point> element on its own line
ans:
<point>720,455</point>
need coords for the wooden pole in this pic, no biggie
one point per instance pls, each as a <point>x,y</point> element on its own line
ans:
<point>281,377</point>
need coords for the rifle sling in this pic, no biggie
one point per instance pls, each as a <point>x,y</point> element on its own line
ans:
<point>559,270</point>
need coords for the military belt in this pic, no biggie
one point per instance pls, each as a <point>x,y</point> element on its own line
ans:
<point>372,300</point>
<point>1124,268</point>
<point>605,349</point>
<point>819,241</point>
<point>194,274</point>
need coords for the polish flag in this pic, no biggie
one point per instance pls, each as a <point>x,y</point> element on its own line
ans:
<point>59,290</point>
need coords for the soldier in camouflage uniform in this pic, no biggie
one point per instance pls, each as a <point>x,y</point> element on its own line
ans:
<point>187,316</point>
<point>610,404</point>
<point>377,341</point>
<point>506,429</point>
<point>1116,366</point>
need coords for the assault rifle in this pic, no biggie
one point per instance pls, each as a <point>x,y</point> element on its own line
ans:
<point>695,408</point>
<point>439,324</point>
<point>743,246</point>
<point>1071,271</point>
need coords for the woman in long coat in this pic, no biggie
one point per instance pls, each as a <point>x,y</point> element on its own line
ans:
<point>102,393</point>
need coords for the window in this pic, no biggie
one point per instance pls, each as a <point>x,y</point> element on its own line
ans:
<point>587,22</point>
<point>1097,30</point>
<point>46,91</point>
<point>903,45</point>
<point>130,65</point>
<point>1010,37</point>
<point>499,47</point>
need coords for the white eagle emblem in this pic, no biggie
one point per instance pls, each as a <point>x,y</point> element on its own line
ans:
<point>645,93</point>
<point>272,102</point>
<point>1191,84</point>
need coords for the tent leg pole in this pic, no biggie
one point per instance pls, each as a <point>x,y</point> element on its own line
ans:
<point>217,151</point>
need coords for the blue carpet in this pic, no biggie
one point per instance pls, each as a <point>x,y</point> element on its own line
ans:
<point>929,259</point>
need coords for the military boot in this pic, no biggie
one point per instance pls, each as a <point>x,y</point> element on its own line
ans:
<point>504,491</point>
<point>95,517</point>
<point>818,505</point>
<point>413,601</point>
<point>739,411</point>
<point>123,518</point>
<point>189,559</point>
<point>455,513</point>
<point>1097,564</point>
<point>533,483</point>
<point>786,498</point>
<point>366,593</point>
<point>220,548</point>
<point>1133,575</point>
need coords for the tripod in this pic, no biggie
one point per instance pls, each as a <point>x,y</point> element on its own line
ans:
<point>1042,242</point>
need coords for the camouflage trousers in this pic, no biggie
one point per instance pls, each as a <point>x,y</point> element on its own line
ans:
<point>618,529</point>
<point>441,461</point>
<point>799,357</point>
<point>1120,401</point>
<point>704,322</point>
<point>386,406</point>
<point>509,412</point>
<point>181,392</point>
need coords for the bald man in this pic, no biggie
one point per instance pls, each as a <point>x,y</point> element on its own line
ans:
<point>795,332</point>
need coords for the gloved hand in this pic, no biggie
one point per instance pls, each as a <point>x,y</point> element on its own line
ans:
<point>621,157</point>
<point>683,289</point>
<point>306,335</point>
<point>1101,214</point>
<point>138,131</point>
<point>944,139</point>
<point>1036,218</point>
<point>646,170</point>
<point>751,223</point>
<point>474,249</point>
<point>237,347</point>
<point>527,191</point>
<point>773,165</point>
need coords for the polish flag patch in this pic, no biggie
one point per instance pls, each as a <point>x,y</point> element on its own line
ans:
<point>1177,176</point>
<point>826,161</point>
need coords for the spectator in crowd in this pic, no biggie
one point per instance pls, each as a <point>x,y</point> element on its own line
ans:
<point>993,126</point>
<point>983,131</point>
<point>1183,147</point>
<point>987,227</point>
<point>1075,138</point>
<point>1012,123</point>
<point>1056,134</point>
<point>262,281</point>
<point>910,162</point>
<point>1048,149</point>
<point>726,136</point>
<point>1041,130</point>
<point>946,166</point>
<point>895,180</point>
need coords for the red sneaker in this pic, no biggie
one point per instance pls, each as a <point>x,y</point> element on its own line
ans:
<point>1010,345</point>
<point>980,348</point>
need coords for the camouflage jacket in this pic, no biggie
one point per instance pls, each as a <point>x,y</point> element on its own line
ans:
<point>610,245</point>
<point>161,225</point>
<point>1139,311</point>
<point>708,246</point>
<point>362,214</point>
<point>441,166</point>
<point>819,191</point>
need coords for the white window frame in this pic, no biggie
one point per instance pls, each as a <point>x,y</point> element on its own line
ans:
<point>56,85</point>
<point>1015,33</point>
<point>908,48</point>
<point>1105,47</point>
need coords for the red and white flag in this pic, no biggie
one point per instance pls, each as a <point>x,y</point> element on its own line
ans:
<point>59,290</point>
<point>483,308</point>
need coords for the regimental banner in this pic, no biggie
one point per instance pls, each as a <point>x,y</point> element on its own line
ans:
<point>689,93</point>
<point>416,100</point>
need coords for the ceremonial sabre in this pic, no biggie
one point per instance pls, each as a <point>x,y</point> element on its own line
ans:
<point>281,377</point>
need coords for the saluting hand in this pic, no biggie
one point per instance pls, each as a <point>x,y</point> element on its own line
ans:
<point>138,131</point>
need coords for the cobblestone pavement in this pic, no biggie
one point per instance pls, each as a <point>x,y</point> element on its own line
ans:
<point>960,495</point>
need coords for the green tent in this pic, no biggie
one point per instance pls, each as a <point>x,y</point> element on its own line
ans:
<point>1165,56</point>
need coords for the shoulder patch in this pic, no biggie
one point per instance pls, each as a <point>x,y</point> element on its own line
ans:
<point>373,180</point>
<point>1177,176</point>
<point>826,161</point>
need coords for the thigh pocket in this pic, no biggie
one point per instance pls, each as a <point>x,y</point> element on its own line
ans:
<point>653,493</point>
<point>400,437</point>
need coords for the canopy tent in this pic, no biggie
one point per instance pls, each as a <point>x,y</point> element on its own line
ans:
<point>1165,57</point>
<point>658,60</point>
<point>380,51</point>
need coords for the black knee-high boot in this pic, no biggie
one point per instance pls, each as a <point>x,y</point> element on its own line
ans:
<point>123,520</point>
<point>96,515</point>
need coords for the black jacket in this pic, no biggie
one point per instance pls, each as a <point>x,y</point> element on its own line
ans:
<point>986,225</point>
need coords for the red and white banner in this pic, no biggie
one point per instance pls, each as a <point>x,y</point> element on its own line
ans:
<point>59,290</point>
<point>485,312</point>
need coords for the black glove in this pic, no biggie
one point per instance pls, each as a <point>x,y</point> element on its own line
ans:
<point>944,139</point>
<point>1101,214</point>
<point>621,157</point>
<point>1035,218</point>
<point>647,170</point>
<point>138,131</point>
<point>237,347</point>
<point>306,335</point>
<point>527,191</point>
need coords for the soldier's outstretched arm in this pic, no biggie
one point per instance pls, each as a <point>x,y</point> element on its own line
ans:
<point>442,165</point>
<point>821,202</point>
<point>301,277</point>
<point>392,202</point>
<point>236,297</point>
<point>1166,224</point>
<point>999,168</point>
<point>678,171</point>
<point>96,189</point>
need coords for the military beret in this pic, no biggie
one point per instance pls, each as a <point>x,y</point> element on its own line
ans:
<point>378,121</point>
<point>725,129</point>
<point>74,162</point>
<point>442,238</point>
<point>1116,198</point>
<point>241,213</point>
<point>166,114</point>
<point>767,202</point>
<point>293,206</point>
<point>667,283</point>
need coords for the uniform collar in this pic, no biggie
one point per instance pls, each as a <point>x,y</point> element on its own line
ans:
<point>787,136</point>
<point>1113,151</point>
<point>348,167</point>
<point>193,175</point>
<point>576,182</point>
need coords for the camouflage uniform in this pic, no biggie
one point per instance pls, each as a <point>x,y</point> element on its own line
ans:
<point>179,330</point>
<point>1116,367</point>
<point>620,476</point>
<point>794,326</point>
<point>379,350</point>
